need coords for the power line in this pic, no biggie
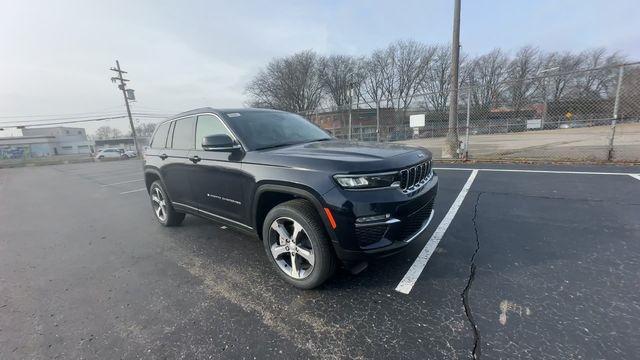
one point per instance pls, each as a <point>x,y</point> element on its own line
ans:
<point>62,118</point>
<point>97,112</point>
<point>65,122</point>
<point>43,122</point>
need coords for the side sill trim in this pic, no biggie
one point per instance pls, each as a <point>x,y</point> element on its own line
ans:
<point>213,215</point>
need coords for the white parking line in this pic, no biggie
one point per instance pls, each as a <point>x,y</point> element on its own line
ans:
<point>125,175</point>
<point>410,278</point>
<point>122,182</point>
<point>539,171</point>
<point>132,191</point>
<point>635,176</point>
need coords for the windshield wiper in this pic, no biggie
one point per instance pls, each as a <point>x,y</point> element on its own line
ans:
<point>291,143</point>
<point>277,145</point>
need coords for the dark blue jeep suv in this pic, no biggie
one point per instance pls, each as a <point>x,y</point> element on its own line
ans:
<point>313,200</point>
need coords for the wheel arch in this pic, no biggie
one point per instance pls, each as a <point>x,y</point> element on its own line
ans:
<point>269,195</point>
<point>151,175</point>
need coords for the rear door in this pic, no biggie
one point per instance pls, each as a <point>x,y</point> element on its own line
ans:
<point>217,180</point>
<point>176,165</point>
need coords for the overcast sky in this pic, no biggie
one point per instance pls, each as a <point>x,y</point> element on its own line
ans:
<point>55,55</point>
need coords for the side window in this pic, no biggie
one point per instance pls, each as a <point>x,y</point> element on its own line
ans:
<point>209,125</point>
<point>160,138</point>
<point>183,134</point>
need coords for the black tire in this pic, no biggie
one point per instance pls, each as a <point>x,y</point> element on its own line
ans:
<point>305,214</point>
<point>100,157</point>
<point>171,216</point>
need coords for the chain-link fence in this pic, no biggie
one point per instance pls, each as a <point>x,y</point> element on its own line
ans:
<point>587,115</point>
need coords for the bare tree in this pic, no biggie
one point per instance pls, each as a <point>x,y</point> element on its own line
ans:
<point>291,83</point>
<point>107,132</point>
<point>602,80</point>
<point>395,74</point>
<point>563,82</point>
<point>338,74</point>
<point>145,129</point>
<point>437,83</point>
<point>486,77</point>
<point>411,61</point>
<point>377,72</point>
<point>520,85</point>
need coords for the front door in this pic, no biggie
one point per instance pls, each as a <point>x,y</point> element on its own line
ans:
<point>217,180</point>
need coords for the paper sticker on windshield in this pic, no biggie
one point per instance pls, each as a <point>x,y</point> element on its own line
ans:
<point>233,114</point>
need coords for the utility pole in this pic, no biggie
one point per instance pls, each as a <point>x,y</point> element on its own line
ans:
<point>450,149</point>
<point>123,86</point>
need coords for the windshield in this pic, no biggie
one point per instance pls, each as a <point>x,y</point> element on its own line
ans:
<point>269,129</point>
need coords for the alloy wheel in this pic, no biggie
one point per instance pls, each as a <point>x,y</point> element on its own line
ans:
<point>159,204</point>
<point>291,248</point>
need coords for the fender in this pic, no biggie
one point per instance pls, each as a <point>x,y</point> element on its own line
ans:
<point>298,190</point>
<point>155,171</point>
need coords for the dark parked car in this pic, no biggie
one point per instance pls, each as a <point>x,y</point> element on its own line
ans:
<point>314,201</point>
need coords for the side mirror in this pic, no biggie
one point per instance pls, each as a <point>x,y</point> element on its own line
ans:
<point>219,142</point>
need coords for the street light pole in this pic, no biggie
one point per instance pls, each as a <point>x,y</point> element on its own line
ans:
<point>450,149</point>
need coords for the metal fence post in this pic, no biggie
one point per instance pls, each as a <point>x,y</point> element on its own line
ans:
<point>611,137</point>
<point>350,106</point>
<point>466,137</point>
<point>377,121</point>
<point>616,105</point>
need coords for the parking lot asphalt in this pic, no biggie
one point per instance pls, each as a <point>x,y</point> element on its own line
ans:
<point>532,265</point>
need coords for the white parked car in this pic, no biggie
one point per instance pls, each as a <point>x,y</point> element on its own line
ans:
<point>109,153</point>
<point>128,154</point>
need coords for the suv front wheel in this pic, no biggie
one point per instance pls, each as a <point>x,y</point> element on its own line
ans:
<point>162,208</point>
<point>298,245</point>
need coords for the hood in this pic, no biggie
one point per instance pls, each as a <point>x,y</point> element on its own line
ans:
<point>345,156</point>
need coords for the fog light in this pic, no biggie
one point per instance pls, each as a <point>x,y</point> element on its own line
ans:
<point>366,219</point>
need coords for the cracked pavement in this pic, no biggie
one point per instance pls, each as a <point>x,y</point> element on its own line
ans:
<point>477,342</point>
<point>533,266</point>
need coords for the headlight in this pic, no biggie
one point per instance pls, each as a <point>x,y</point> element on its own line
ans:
<point>366,181</point>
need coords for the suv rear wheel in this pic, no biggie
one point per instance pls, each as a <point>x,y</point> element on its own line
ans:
<point>298,245</point>
<point>162,208</point>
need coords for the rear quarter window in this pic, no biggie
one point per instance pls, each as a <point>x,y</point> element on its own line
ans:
<point>160,137</point>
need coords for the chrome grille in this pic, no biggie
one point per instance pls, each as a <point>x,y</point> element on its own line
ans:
<point>415,176</point>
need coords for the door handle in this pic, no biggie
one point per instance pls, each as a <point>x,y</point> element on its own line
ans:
<point>195,159</point>
<point>164,156</point>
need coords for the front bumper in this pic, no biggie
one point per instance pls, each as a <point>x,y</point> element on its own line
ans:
<point>410,215</point>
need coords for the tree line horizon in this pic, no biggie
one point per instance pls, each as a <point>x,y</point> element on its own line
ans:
<point>394,76</point>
